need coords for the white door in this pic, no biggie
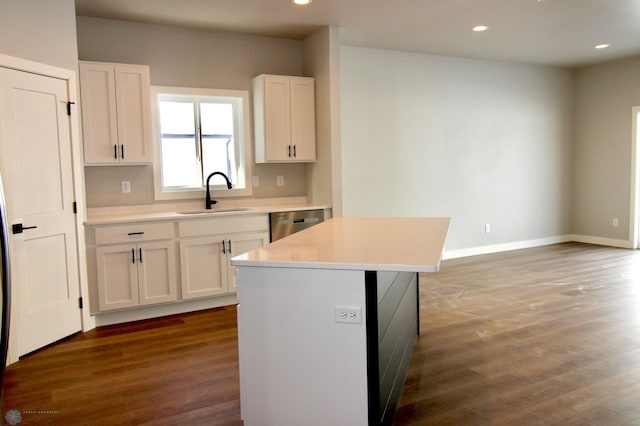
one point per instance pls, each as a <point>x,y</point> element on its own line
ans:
<point>35,145</point>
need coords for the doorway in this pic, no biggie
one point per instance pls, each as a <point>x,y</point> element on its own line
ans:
<point>634,214</point>
<point>39,160</point>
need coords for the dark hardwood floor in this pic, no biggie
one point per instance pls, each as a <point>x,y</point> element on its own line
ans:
<point>178,370</point>
<point>547,336</point>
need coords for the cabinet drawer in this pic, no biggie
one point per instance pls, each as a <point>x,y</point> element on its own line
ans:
<point>223,225</point>
<point>133,232</point>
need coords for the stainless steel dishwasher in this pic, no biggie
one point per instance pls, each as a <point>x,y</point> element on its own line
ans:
<point>287,223</point>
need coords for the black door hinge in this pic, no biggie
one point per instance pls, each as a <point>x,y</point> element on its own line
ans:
<point>69,107</point>
<point>80,302</point>
<point>75,208</point>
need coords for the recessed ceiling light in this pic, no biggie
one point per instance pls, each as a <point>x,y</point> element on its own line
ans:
<point>480,28</point>
<point>301,2</point>
<point>601,46</point>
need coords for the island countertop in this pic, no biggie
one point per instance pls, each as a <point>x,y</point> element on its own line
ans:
<point>350,243</point>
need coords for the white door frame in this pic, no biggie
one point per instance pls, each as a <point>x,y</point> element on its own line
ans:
<point>634,197</point>
<point>88,322</point>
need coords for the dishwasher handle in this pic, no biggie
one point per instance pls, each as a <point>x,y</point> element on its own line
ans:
<point>298,221</point>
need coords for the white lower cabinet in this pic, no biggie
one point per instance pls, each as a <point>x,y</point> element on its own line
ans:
<point>141,264</point>
<point>206,263</point>
<point>133,275</point>
<point>138,272</point>
<point>206,249</point>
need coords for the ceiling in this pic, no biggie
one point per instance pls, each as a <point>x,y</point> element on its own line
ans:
<point>546,32</point>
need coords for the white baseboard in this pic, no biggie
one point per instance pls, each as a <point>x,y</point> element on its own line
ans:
<point>602,241</point>
<point>137,314</point>
<point>496,248</point>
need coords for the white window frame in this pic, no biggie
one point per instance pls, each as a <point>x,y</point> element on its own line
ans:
<point>243,137</point>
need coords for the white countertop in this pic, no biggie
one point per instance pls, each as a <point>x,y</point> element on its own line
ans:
<point>374,244</point>
<point>140,214</point>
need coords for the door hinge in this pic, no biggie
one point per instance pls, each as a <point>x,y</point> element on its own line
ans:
<point>69,107</point>
<point>75,208</point>
<point>80,302</point>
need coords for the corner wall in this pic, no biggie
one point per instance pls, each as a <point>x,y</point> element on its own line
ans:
<point>605,97</point>
<point>321,60</point>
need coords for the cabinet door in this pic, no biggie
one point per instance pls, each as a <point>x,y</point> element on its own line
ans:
<point>157,281</point>
<point>203,267</point>
<point>242,243</point>
<point>303,119</point>
<point>99,120</point>
<point>277,117</point>
<point>117,277</point>
<point>133,109</point>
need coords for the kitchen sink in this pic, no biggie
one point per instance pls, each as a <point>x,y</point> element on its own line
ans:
<point>214,211</point>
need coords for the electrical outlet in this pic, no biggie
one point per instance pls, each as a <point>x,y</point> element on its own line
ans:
<point>487,228</point>
<point>126,186</point>
<point>256,181</point>
<point>280,181</point>
<point>615,222</point>
<point>348,314</point>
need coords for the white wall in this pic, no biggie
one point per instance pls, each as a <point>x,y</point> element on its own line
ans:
<point>480,141</point>
<point>605,96</point>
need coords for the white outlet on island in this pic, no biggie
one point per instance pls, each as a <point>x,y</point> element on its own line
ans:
<point>126,186</point>
<point>280,180</point>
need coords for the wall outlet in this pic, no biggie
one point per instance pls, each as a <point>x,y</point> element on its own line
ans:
<point>615,222</point>
<point>348,314</point>
<point>126,186</point>
<point>487,228</point>
<point>280,181</point>
<point>256,181</point>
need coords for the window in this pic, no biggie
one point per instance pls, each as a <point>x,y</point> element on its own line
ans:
<point>198,132</point>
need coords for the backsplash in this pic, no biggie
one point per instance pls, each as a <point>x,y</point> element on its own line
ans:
<point>103,189</point>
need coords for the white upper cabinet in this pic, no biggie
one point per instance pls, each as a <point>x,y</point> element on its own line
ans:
<point>284,119</point>
<point>116,116</point>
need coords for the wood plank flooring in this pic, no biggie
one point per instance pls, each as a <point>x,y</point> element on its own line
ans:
<point>544,336</point>
<point>547,336</point>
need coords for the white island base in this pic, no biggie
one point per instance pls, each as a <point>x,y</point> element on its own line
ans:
<point>299,365</point>
<point>326,328</point>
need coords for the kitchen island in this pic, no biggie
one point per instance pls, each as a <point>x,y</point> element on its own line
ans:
<point>328,317</point>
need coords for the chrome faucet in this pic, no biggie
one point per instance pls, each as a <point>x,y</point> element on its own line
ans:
<point>208,201</point>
